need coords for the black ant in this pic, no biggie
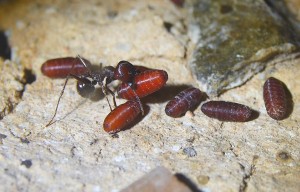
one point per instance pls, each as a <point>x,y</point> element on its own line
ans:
<point>79,69</point>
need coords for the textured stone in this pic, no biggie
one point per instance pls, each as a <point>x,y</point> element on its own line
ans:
<point>289,10</point>
<point>294,7</point>
<point>12,79</point>
<point>234,42</point>
<point>159,179</point>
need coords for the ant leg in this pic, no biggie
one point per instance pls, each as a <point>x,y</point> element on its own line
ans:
<point>87,65</point>
<point>138,100</point>
<point>61,93</point>
<point>83,80</point>
<point>113,94</point>
<point>104,90</point>
<point>105,93</point>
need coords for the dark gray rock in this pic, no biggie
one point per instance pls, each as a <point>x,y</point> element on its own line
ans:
<point>235,40</point>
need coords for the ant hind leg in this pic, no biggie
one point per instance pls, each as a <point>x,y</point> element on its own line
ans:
<point>56,108</point>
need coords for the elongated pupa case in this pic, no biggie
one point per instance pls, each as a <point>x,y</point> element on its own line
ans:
<point>227,111</point>
<point>62,67</point>
<point>184,101</point>
<point>121,116</point>
<point>275,98</point>
<point>124,71</point>
<point>145,83</point>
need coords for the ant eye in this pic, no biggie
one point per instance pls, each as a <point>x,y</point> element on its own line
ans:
<point>85,90</point>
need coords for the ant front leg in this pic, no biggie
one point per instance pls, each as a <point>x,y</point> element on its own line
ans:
<point>105,89</point>
<point>132,87</point>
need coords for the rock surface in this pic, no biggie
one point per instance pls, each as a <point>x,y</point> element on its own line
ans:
<point>159,179</point>
<point>75,153</point>
<point>234,42</point>
<point>12,79</point>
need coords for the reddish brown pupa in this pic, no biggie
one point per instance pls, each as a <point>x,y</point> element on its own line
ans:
<point>184,101</point>
<point>124,72</point>
<point>62,67</point>
<point>146,83</point>
<point>226,111</point>
<point>140,69</point>
<point>275,98</point>
<point>121,116</point>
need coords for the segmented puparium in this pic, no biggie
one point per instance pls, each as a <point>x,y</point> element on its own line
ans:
<point>275,98</point>
<point>226,111</point>
<point>183,102</point>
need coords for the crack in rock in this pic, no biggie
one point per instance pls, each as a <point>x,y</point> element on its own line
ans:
<point>247,175</point>
<point>13,81</point>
